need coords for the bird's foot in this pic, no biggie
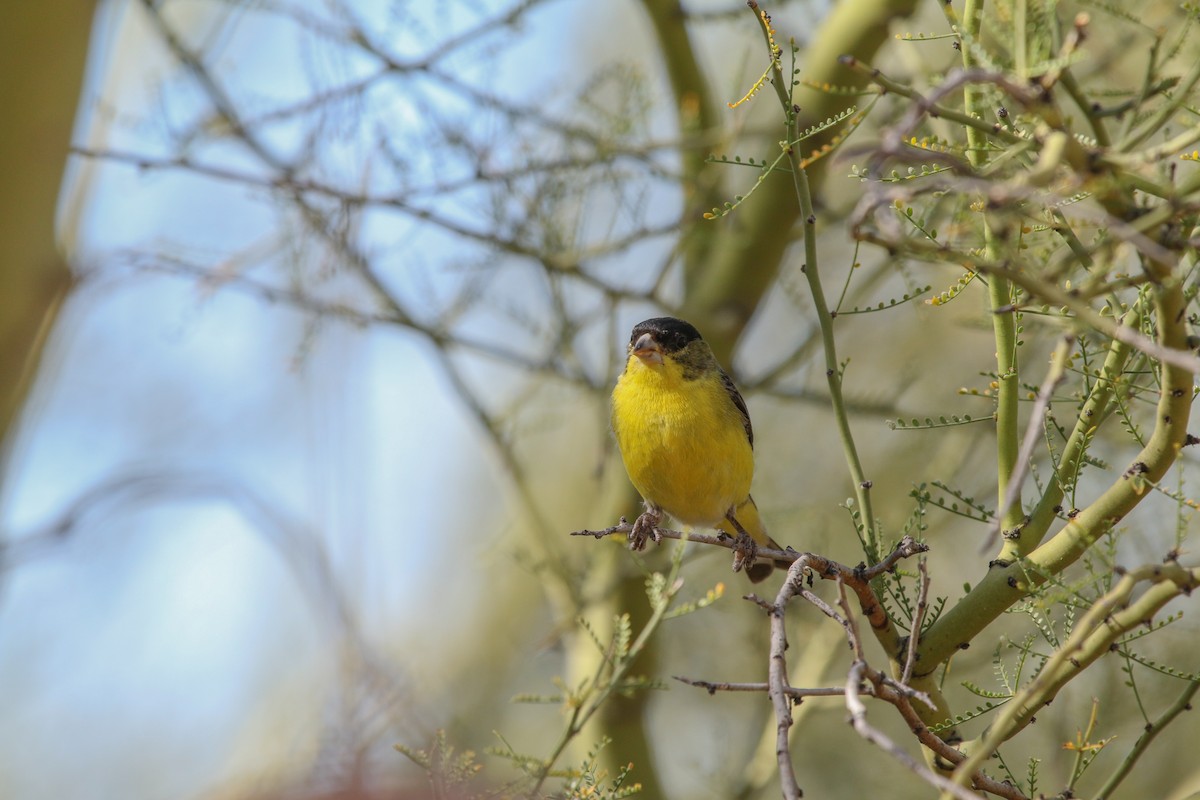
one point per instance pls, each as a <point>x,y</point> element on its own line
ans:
<point>645,527</point>
<point>745,551</point>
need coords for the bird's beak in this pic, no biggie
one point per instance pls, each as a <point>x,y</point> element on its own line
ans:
<point>648,350</point>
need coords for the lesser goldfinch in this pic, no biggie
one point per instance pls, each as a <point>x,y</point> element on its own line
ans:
<point>686,440</point>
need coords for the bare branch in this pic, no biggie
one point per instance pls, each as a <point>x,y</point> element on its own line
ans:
<point>858,719</point>
<point>914,633</point>
<point>777,679</point>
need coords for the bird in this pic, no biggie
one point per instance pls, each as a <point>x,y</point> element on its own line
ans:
<point>686,440</point>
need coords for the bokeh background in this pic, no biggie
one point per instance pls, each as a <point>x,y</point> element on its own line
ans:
<point>309,343</point>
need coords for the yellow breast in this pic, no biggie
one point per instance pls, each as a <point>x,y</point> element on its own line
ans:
<point>683,441</point>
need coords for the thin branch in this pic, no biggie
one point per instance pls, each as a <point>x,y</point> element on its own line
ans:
<point>858,719</point>
<point>568,262</point>
<point>297,545</point>
<point>914,633</point>
<point>858,711</point>
<point>712,687</point>
<point>826,568</point>
<point>858,579</point>
<point>868,527</point>
<point>1109,618</point>
<point>1055,295</point>
<point>777,679</point>
<point>888,692</point>
<point>1181,704</point>
<point>1033,433</point>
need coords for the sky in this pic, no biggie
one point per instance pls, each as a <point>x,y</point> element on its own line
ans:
<point>216,434</point>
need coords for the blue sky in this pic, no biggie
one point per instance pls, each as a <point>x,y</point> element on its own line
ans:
<point>182,639</point>
<point>141,655</point>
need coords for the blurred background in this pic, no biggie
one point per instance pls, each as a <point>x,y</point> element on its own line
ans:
<point>306,355</point>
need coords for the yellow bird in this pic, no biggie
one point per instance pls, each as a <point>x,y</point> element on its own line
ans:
<point>686,440</point>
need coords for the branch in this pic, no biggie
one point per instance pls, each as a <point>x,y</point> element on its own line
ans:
<point>1108,619</point>
<point>777,679</point>
<point>866,524</point>
<point>796,692</point>
<point>1033,432</point>
<point>1181,704</point>
<point>728,285</point>
<point>914,633</point>
<point>858,719</point>
<point>887,691</point>
<point>857,578</point>
<point>568,261</point>
<point>297,545</point>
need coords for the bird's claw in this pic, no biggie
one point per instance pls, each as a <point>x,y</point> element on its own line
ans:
<point>645,527</point>
<point>745,551</point>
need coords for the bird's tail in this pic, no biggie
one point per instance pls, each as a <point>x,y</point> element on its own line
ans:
<point>747,516</point>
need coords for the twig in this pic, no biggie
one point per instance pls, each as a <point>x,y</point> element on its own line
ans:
<point>1181,704</point>
<point>712,687</point>
<point>855,577</point>
<point>777,678</point>
<point>898,696</point>
<point>859,580</point>
<point>1053,294</point>
<point>914,632</point>
<point>624,527</point>
<point>858,711</point>
<point>299,546</point>
<point>880,686</point>
<point>823,607</point>
<point>1109,617</point>
<point>858,719</point>
<point>851,623</point>
<point>893,141</point>
<point>296,186</point>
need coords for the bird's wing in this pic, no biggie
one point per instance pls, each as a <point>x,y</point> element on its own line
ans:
<point>736,397</point>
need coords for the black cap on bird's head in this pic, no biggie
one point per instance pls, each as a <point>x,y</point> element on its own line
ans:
<point>654,337</point>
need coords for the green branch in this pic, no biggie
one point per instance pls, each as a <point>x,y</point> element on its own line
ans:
<point>1004,325</point>
<point>1007,582</point>
<point>1093,410</point>
<point>1181,704</point>
<point>1108,619</point>
<point>726,286</point>
<point>833,374</point>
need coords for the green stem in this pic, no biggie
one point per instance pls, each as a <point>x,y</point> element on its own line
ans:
<point>1183,703</point>
<point>610,670</point>
<point>1004,329</point>
<point>1004,326</point>
<point>833,375</point>
<point>1108,619</point>
<point>935,110</point>
<point>726,286</point>
<point>1090,414</point>
<point>1149,466</point>
<point>1165,113</point>
<point>1005,583</point>
<point>1076,93</point>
